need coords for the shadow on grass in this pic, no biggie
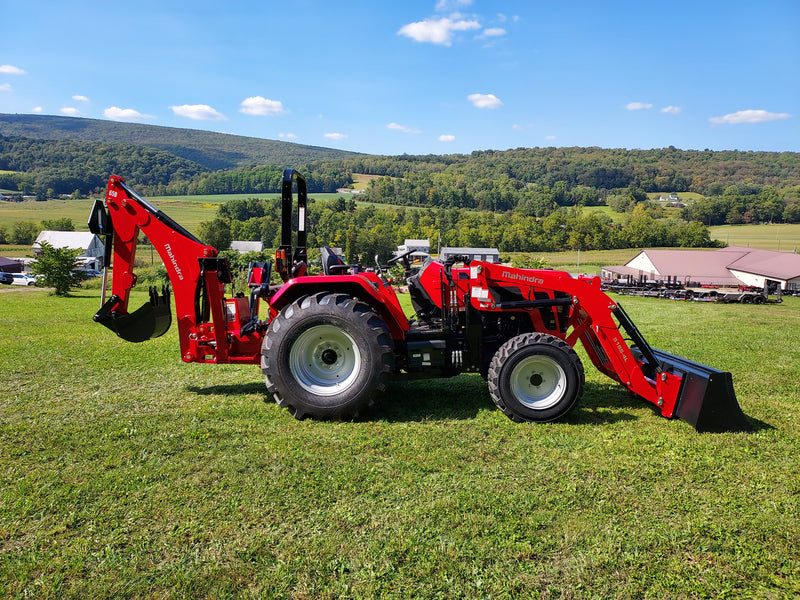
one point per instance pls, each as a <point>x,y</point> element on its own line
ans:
<point>232,389</point>
<point>465,396</point>
<point>759,425</point>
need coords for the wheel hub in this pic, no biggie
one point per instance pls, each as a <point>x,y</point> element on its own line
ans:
<point>329,356</point>
<point>324,360</point>
<point>538,382</point>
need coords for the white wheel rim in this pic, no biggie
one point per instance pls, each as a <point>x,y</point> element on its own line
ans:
<point>324,360</point>
<point>538,382</point>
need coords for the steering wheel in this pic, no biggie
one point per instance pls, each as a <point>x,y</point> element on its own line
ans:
<point>402,257</point>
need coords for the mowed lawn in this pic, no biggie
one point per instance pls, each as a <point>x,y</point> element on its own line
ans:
<point>125,473</point>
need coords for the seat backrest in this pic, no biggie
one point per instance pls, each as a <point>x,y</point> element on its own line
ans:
<point>329,259</point>
<point>424,306</point>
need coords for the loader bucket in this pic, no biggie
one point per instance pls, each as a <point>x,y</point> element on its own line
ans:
<point>151,320</point>
<point>706,398</point>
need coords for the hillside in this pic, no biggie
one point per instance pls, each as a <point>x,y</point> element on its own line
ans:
<point>208,149</point>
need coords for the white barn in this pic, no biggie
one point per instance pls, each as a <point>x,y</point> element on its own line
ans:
<point>91,247</point>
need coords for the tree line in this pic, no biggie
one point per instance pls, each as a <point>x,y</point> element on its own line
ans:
<point>362,232</point>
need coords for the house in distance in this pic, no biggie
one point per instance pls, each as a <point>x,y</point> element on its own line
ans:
<point>733,266</point>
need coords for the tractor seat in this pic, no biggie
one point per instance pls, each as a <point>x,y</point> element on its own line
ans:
<point>424,306</point>
<point>332,263</point>
<point>330,259</point>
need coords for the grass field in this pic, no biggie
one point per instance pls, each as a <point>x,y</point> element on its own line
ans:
<point>784,237</point>
<point>189,211</point>
<point>125,473</point>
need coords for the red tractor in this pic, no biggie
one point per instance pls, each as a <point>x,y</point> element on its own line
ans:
<point>328,344</point>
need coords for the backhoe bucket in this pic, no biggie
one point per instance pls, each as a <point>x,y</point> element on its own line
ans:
<point>151,320</point>
<point>706,398</point>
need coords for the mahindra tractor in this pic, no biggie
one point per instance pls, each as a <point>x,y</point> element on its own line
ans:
<point>328,344</point>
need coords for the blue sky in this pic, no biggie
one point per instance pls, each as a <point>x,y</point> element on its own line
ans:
<point>418,77</point>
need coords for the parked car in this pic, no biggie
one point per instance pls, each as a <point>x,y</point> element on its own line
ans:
<point>7,278</point>
<point>24,279</point>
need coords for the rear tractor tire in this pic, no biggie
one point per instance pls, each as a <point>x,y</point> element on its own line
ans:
<point>535,377</point>
<point>327,356</point>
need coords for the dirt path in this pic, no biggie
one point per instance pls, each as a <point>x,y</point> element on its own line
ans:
<point>21,288</point>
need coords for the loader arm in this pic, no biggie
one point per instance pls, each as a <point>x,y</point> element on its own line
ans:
<point>678,387</point>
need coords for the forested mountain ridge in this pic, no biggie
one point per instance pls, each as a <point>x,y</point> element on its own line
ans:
<point>737,187</point>
<point>211,150</point>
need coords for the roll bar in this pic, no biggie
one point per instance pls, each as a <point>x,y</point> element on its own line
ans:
<point>288,264</point>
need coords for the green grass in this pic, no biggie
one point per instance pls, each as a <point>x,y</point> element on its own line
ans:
<point>590,260</point>
<point>189,211</point>
<point>784,237</point>
<point>126,473</point>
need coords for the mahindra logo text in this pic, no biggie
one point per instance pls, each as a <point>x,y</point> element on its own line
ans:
<point>174,261</point>
<point>521,277</point>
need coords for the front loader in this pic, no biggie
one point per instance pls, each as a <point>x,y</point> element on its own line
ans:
<point>328,344</point>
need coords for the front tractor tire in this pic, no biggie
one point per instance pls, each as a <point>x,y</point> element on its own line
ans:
<point>535,377</point>
<point>327,356</point>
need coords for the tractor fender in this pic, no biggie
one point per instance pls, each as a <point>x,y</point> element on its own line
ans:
<point>357,286</point>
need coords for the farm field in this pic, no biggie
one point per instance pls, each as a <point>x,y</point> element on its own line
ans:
<point>189,211</point>
<point>588,262</point>
<point>125,473</point>
<point>784,237</point>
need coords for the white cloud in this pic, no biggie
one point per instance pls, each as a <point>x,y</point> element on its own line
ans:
<point>403,128</point>
<point>70,111</point>
<point>263,107</point>
<point>446,137</point>
<point>11,70</point>
<point>5,87</point>
<point>335,136</point>
<point>37,109</point>
<point>125,114</point>
<point>437,31</point>
<point>671,110</point>
<point>79,98</point>
<point>445,5</point>
<point>748,116</point>
<point>287,136</point>
<point>492,32</point>
<point>485,100</point>
<point>199,112</point>
<point>549,138</point>
<point>638,106</point>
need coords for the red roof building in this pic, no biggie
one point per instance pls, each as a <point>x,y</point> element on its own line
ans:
<point>726,267</point>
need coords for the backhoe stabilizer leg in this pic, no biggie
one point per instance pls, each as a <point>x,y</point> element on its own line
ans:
<point>151,320</point>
